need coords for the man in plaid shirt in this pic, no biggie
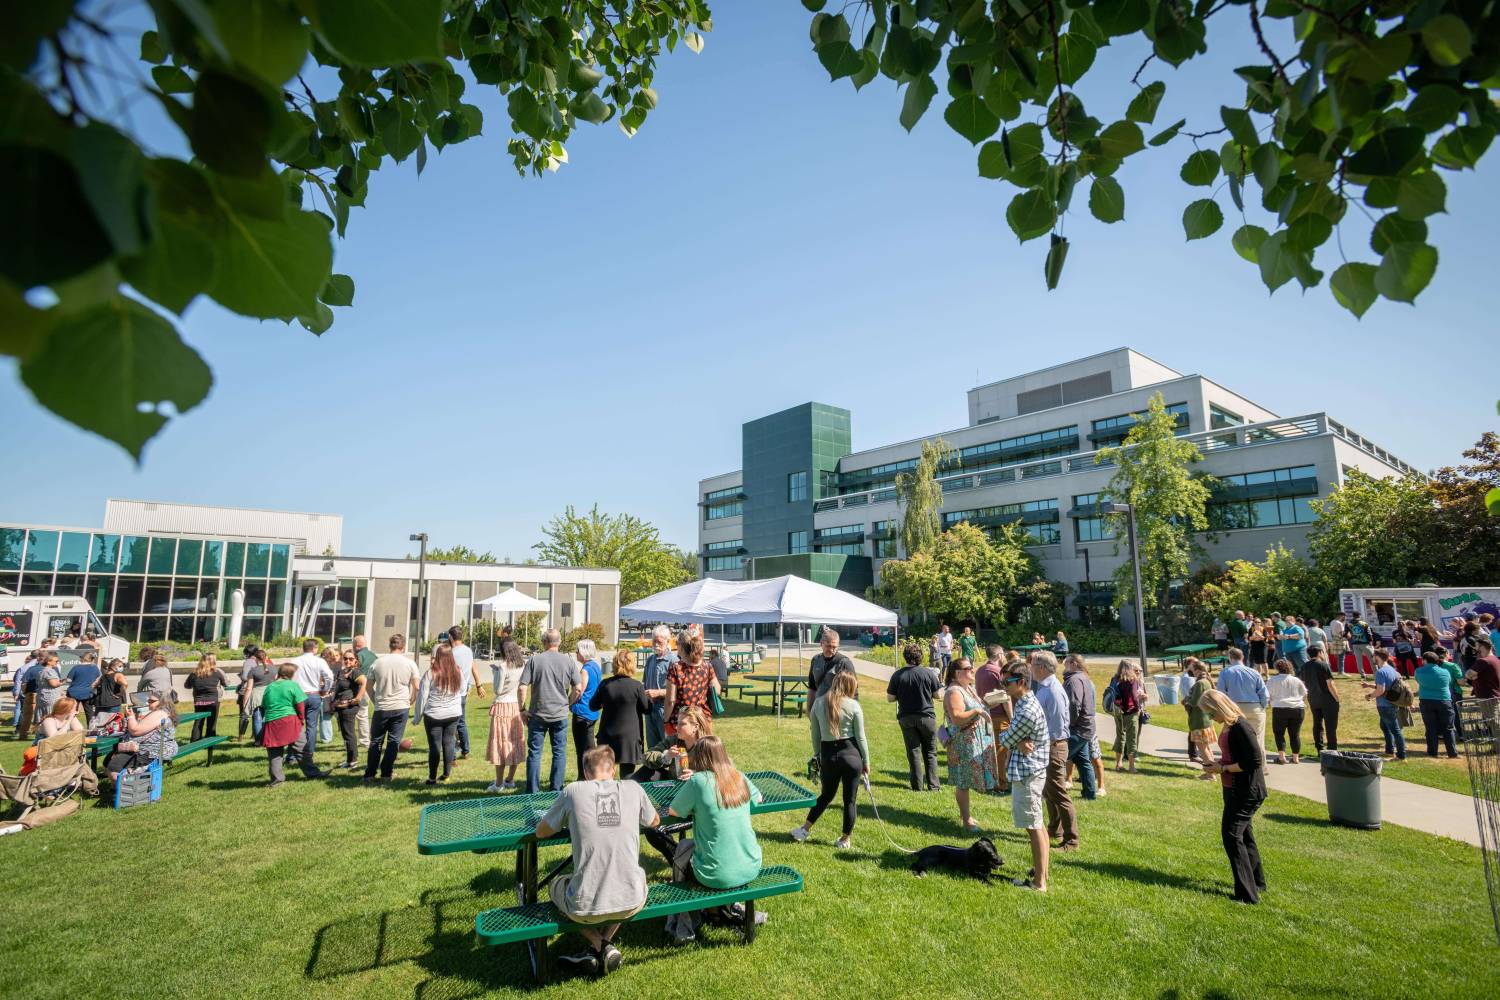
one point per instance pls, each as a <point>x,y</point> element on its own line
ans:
<point>1030,749</point>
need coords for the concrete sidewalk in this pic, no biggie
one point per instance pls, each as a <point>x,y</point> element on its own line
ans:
<point>1403,803</point>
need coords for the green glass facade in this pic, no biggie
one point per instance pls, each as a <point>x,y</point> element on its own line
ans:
<point>854,574</point>
<point>790,460</point>
<point>147,588</point>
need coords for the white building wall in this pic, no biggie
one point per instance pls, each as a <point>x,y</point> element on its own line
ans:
<point>314,533</point>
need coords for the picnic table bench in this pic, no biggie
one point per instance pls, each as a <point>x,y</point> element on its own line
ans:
<point>1180,653</point>
<point>107,744</point>
<point>507,823</point>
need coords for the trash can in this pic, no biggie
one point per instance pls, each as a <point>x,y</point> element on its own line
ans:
<point>1166,689</point>
<point>1352,782</point>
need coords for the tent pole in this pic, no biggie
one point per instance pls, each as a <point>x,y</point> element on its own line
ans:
<point>780,645</point>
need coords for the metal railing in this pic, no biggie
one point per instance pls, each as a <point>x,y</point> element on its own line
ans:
<point>1221,439</point>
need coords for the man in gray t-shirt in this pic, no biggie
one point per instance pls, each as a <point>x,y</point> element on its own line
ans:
<point>607,884</point>
<point>549,683</point>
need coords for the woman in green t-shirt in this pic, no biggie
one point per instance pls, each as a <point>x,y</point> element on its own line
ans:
<point>282,708</point>
<point>722,852</point>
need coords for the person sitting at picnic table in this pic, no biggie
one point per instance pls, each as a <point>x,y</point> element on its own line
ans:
<point>285,711</point>
<point>1060,644</point>
<point>607,885</point>
<point>722,853</point>
<point>719,660</point>
<point>668,759</point>
<point>621,701</point>
<point>62,719</point>
<point>152,735</point>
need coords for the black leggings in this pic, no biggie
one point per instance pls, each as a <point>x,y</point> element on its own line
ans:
<point>349,730</point>
<point>208,726</point>
<point>842,766</point>
<point>444,733</point>
<point>1286,723</point>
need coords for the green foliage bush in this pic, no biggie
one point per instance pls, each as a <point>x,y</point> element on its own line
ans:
<point>588,630</point>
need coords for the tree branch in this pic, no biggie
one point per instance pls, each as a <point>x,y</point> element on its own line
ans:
<point>1062,110</point>
<point>1136,77</point>
<point>1260,40</point>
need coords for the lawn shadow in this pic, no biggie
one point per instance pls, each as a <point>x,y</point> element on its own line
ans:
<point>1176,994</point>
<point>1288,818</point>
<point>1140,874</point>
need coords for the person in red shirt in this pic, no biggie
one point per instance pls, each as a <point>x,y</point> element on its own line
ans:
<point>1484,673</point>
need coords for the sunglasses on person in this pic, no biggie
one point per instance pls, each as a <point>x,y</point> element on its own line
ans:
<point>1015,678</point>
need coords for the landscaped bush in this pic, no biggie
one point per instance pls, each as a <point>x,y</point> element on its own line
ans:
<point>588,630</point>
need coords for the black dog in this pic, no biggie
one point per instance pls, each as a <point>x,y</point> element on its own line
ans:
<point>979,860</point>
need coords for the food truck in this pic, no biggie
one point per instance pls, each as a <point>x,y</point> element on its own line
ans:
<point>1382,607</point>
<point>26,620</point>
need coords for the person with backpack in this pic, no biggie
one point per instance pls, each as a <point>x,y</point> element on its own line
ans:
<point>1124,698</point>
<point>1404,650</point>
<point>1390,695</point>
<point>825,665</point>
<point>1361,639</point>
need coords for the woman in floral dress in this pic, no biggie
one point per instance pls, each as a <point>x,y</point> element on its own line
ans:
<point>971,742</point>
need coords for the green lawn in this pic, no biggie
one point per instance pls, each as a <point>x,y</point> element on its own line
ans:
<point>315,890</point>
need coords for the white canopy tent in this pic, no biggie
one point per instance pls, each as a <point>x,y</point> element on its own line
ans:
<point>512,600</point>
<point>782,600</point>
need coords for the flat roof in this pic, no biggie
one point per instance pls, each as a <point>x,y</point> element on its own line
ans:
<point>218,506</point>
<point>1066,364</point>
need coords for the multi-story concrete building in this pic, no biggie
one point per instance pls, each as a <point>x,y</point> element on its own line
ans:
<point>804,503</point>
<point>166,571</point>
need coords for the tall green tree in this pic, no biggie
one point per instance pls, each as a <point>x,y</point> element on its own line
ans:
<point>1463,543</point>
<point>616,541</point>
<point>1154,474</point>
<point>459,554</point>
<point>1370,532</point>
<point>287,107</point>
<point>1348,105</point>
<point>1284,582</point>
<point>920,497</point>
<point>961,575</point>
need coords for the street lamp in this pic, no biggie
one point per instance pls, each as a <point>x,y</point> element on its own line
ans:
<point>421,537</point>
<point>1115,507</point>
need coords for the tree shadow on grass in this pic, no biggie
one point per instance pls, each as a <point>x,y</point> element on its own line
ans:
<point>1140,874</point>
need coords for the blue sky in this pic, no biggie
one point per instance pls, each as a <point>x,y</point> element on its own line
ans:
<point>599,335</point>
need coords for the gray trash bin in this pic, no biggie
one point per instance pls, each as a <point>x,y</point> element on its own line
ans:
<point>1352,782</point>
<point>1166,688</point>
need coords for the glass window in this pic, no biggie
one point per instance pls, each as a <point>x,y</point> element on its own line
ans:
<point>719,563</point>
<point>1091,529</point>
<point>130,591</point>
<point>280,554</point>
<point>104,554</point>
<point>153,629</point>
<point>213,558</point>
<point>724,510</point>
<point>1302,510</point>
<point>257,558</point>
<point>68,584</point>
<point>158,595</point>
<point>234,559</point>
<point>11,542</point>
<point>100,593</point>
<point>885,548</point>
<point>133,554</point>
<point>1263,512</point>
<point>163,554</point>
<point>41,550</point>
<point>189,556</point>
<point>36,583</point>
<point>1219,417</point>
<point>796,487</point>
<point>797,542</point>
<point>255,597</point>
<point>207,601</point>
<point>73,555</point>
<point>180,628</point>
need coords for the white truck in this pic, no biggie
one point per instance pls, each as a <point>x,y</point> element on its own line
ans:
<point>1382,607</point>
<point>26,620</point>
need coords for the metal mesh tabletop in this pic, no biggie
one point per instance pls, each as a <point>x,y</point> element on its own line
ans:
<point>505,822</point>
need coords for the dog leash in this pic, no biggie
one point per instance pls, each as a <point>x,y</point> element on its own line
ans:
<point>871,793</point>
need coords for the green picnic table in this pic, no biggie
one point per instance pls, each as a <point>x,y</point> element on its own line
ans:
<point>1180,653</point>
<point>501,823</point>
<point>106,744</point>
<point>1031,648</point>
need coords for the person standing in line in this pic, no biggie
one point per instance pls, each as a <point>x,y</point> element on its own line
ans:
<point>550,682</point>
<point>1258,647</point>
<point>1484,675</point>
<point>1322,699</point>
<point>1317,637</point>
<point>441,706</point>
<point>621,701</point>
<point>1028,740</point>
<point>1337,643</point>
<point>468,672</point>
<point>366,657</point>
<point>1294,642</point>
<point>934,658</point>
<point>945,646</point>
<point>83,682</point>
<point>1185,682</point>
<point>348,693</point>
<point>1220,632</point>
<point>1201,733</point>
<point>255,677</point>
<point>392,686</point>
<point>968,645</point>
<point>315,679</point>
<point>1288,703</point>
<point>156,678</point>
<point>206,688</point>
<point>1062,818</point>
<point>971,739</point>
<point>989,684</point>
<point>607,884</point>
<point>49,687</point>
<point>838,738</point>
<point>1404,649</point>
<point>506,747</point>
<point>825,664</point>
<point>1388,694</point>
<point>1361,639</point>
<point>1242,773</point>
<point>654,678</point>
<point>913,688</point>
<point>1081,729</point>
<point>1239,633</point>
<point>284,707</point>
<point>1435,702</point>
<point>1129,698</point>
<point>585,716</point>
<point>1248,691</point>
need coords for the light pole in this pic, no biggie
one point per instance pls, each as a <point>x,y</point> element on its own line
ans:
<point>421,537</point>
<point>1135,571</point>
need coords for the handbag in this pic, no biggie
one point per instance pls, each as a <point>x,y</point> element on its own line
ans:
<point>945,734</point>
<point>715,703</point>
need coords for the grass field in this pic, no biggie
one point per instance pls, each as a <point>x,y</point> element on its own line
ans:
<point>315,889</point>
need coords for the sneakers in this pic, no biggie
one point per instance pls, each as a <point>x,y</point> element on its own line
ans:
<point>680,928</point>
<point>507,786</point>
<point>611,957</point>
<point>1098,793</point>
<point>800,834</point>
<point>493,789</point>
<point>842,844</point>
<point>582,961</point>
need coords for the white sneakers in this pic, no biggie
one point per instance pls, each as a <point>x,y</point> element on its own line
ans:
<point>493,788</point>
<point>842,844</point>
<point>800,834</point>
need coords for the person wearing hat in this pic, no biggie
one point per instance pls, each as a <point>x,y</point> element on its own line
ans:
<point>1322,698</point>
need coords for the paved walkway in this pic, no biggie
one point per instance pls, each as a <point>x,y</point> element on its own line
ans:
<point>1431,810</point>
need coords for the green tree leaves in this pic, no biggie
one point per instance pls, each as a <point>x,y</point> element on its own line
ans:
<point>919,94</point>
<point>1107,199</point>
<point>381,32</point>
<point>1202,218</point>
<point>1031,214</point>
<point>1201,168</point>
<point>1353,285</point>
<point>968,116</point>
<point>1405,270</point>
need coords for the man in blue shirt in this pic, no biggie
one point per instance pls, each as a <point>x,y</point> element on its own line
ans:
<point>1388,687</point>
<point>654,679</point>
<point>1246,689</point>
<point>1062,819</point>
<point>1294,643</point>
<point>1027,770</point>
